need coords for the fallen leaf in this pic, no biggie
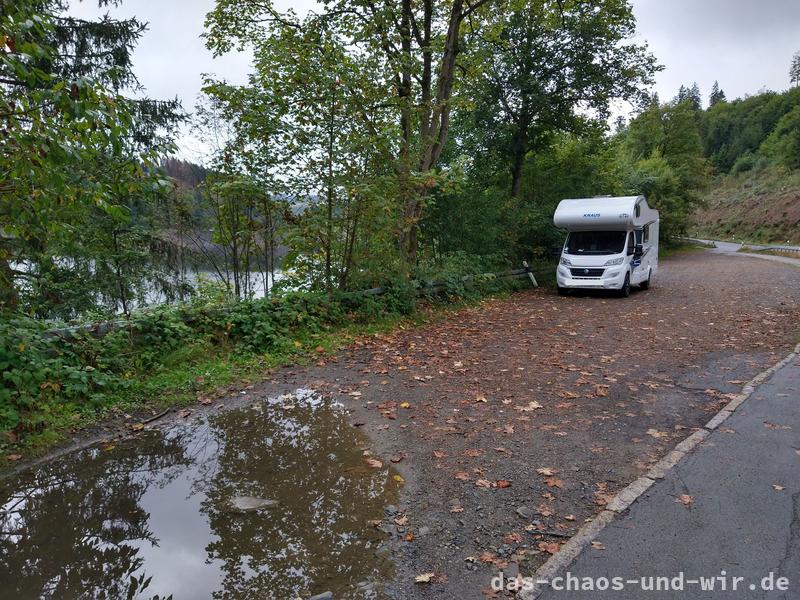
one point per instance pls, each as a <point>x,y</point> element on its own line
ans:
<point>601,390</point>
<point>457,509</point>
<point>684,499</point>
<point>397,458</point>
<point>374,463</point>
<point>512,538</point>
<point>570,517</point>
<point>546,471</point>
<point>769,425</point>
<point>473,452</point>
<point>13,457</point>
<point>777,487</point>
<point>503,483</point>
<point>409,537</point>
<point>401,521</point>
<point>137,426</point>
<point>423,578</point>
<point>530,407</point>
<point>462,475</point>
<point>405,405</point>
<point>439,453</point>
<point>549,547</point>
<point>398,479</point>
<point>657,434</point>
<point>598,545</point>
<point>484,483</point>
<point>553,482</point>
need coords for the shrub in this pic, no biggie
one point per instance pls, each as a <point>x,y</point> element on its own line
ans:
<point>79,371</point>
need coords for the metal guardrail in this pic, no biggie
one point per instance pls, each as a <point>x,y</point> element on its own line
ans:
<point>779,249</point>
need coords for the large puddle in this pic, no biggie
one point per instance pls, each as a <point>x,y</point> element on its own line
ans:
<point>157,516</point>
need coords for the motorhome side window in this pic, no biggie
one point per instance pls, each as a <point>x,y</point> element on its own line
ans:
<point>630,243</point>
<point>646,234</point>
<point>639,235</point>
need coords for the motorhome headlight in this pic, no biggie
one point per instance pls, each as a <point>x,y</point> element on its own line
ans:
<point>565,262</point>
<point>614,261</point>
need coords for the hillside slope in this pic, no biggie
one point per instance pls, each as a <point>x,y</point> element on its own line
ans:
<point>758,206</point>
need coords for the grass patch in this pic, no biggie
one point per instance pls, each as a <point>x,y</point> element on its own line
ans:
<point>675,248</point>
<point>173,358</point>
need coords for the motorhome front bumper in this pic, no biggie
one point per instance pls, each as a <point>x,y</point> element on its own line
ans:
<point>591,277</point>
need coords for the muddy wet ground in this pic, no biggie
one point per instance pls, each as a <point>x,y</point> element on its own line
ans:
<point>511,422</point>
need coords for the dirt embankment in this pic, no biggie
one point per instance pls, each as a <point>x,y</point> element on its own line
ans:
<point>763,207</point>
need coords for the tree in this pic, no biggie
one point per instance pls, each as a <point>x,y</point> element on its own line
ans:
<point>690,94</point>
<point>794,69</point>
<point>551,66</point>
<point>65,122</point>
<point>716,96</point>
<point>407,53</point>
<point>664,153</point>
<point>302,115</point>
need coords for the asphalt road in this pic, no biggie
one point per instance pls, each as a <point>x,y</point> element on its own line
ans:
<point>740,515</point>
<point>736,246</point>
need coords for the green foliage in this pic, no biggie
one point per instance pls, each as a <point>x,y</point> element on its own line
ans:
<point>74,150</point>
<point>663,156</point>
<point>783,144</point>
<point>49,377</point>
<point>540,60</point>
<point>43,375</point>
<point>732,129</point>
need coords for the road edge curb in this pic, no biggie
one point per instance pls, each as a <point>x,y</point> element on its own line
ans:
<point>630,494</point>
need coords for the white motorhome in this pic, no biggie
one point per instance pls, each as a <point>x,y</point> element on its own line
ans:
<point>612,243</point>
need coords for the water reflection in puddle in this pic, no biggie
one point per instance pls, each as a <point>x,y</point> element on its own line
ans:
<point>153,516</point>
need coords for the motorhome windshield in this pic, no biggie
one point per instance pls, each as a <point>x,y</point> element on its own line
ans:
<point>596,242</point>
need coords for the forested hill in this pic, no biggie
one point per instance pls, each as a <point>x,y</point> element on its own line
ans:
<point>185,174</point>
<point>753,145</point>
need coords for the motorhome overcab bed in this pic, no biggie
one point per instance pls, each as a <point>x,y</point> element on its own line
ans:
<point>612,243</point>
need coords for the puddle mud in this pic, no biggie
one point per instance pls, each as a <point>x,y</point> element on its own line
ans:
<point>271,501</point>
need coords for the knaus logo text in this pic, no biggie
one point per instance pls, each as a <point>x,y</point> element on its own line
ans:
<point>678,583</point>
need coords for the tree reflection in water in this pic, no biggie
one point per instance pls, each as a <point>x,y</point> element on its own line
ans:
<point>69,528</point>
<point>152,516</point>
<point>320,537</point>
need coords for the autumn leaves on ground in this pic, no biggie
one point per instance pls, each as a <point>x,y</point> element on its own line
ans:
<point>515,421</point>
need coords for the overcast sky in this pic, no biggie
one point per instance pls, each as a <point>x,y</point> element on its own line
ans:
<point>744,44</point>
